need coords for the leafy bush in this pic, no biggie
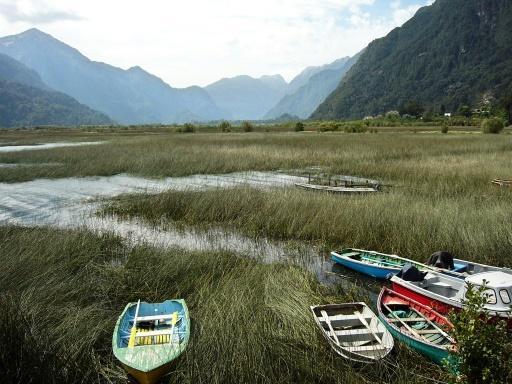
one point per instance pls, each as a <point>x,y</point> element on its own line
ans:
<point>356,128</point>
<point>492,125</point>
<point>299,126</point>
<point>484,354</point>
<point>187,128</point>
<point>444,127</point>
<point>225,126</point>
<point>247,126</point>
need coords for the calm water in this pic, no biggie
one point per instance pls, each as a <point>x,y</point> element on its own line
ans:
<point>32,147</point>
<point>72,203</point>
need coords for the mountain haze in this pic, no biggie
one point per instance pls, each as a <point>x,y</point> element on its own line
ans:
<point>451,53</point>
<point>246,98</point>
<point>318,83</point>
<point>26,101</point>
<point>131,97</point>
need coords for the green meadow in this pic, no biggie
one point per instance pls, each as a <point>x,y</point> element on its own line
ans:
<point>62,290</point>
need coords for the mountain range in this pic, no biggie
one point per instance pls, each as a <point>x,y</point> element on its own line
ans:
<point>310,88</point>
<point>134,96</point>
<point>449,54</point>
<point>452,53</point>
<point>130,96</point>
<point>247,98</point>
<point>25,100</point>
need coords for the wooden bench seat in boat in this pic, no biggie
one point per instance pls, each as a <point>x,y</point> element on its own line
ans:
<point>154,317</point>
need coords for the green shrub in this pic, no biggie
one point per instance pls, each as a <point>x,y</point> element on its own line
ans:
<point>225,126</point>
<point>444,127</point>
<point>492,125</point>
<point>186,128</point>
<point>247,126</point>
<point>356,128</point>
<point>484,347</point>
<point>299,126</point>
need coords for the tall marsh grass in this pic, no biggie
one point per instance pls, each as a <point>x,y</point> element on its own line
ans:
<point>448,161</point>
<point>409,224</point>
<point>61,292</point>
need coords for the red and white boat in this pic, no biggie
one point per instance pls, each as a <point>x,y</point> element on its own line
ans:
<point>444,293</point>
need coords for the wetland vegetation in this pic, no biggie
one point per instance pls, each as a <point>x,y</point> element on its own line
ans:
<point>62,290</point>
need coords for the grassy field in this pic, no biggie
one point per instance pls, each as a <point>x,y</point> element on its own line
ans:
<point>449,163</point>
<point>63,290</point>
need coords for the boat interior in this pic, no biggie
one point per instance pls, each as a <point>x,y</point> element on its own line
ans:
<point>373,258</point>
<point>417,324</point>
<point>355,329</point>
<point>155,323</point>
<point>441,285</point>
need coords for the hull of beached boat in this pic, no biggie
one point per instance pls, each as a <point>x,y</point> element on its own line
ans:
<point>422,296</point>
<point>438,303</point>
<point>435,354</point>
<point>154,356</point>
<point>360,335</point>
<point>374,264</point>
<point>439,355</point>
<point>331,189</point>
<point>469,267</point>
<point>150,377</point>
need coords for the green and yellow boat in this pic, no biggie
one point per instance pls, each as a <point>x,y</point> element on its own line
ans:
<point>148,337</point>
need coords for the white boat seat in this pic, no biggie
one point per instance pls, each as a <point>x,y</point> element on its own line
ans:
<point>350,254</point>
<point>154,333</point>
<point>345,317</point>
<point>365,348</point>
<point>154,317</point>
<point>348,332</point>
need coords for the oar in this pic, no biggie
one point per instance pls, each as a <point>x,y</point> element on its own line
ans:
<point>173,322</point>
<point>131,342</point>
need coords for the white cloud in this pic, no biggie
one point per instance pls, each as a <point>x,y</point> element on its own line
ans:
<point>33,12</point>
<point>200,41</point>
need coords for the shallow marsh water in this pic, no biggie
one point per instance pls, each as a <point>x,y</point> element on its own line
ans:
<point>72,203</point>
<point>32,147</point>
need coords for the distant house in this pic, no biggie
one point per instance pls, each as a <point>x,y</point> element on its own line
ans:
<point>448,114</point>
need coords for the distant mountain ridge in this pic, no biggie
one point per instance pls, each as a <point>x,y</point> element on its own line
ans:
<point>131,97</point>
<point>247,98</point>
<point>451,53</point>
<point>318,83</point>
<point>26,101</point>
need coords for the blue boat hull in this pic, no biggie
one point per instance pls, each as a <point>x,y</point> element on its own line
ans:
<point>378,272</point>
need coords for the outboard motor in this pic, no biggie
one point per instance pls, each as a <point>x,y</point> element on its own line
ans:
<point>441,259</point>
<point>410,273</point>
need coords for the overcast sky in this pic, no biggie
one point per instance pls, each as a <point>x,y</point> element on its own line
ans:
<point>196,42</point>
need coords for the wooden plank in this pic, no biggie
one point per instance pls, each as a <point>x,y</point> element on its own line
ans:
<point>326,319</point>
<point>131,342</point>
<point>365,323</point>
<point>344,317</point>
<point>434,325</point>
<point>428,331</point>
<point>404,323</point>
<point>154,333</point>
<point>365,348</point>
<point>413,320</point>
<point>154,317</point>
